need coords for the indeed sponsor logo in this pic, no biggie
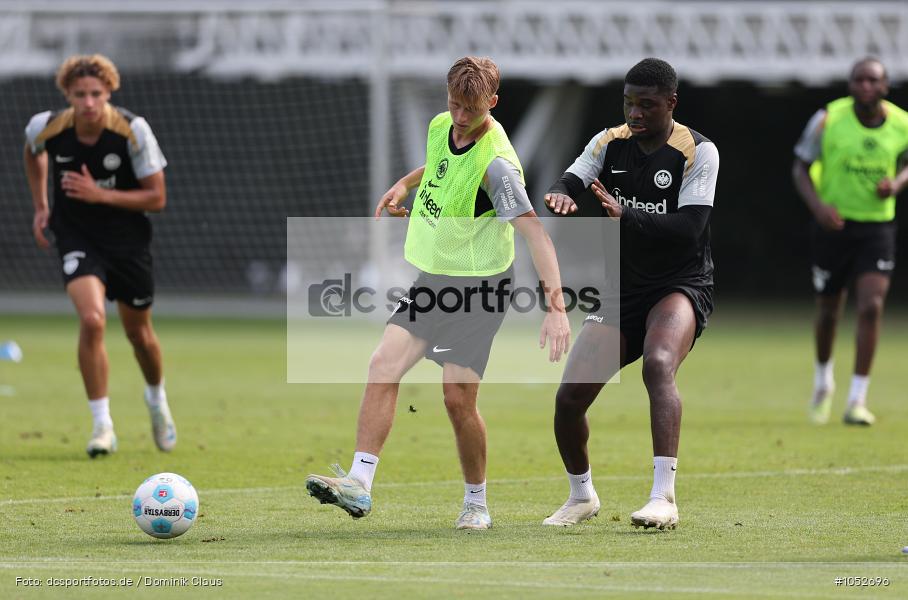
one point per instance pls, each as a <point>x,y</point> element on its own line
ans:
<point>659,208</point>
<point>429,205</point>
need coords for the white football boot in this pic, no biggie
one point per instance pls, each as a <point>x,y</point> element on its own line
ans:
<point>163,429</point>
<point>103,441</point>
<point>820,405</point>
<point>858,415</point>
<point>473,516</point>
<point>341,491</point>
<point>573,512</point>
<point>658,513</point>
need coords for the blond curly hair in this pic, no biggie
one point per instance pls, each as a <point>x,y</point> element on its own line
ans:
<point>88,65</point>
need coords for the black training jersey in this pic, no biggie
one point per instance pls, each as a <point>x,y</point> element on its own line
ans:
<point>680,173</point>
<point>126,152</point>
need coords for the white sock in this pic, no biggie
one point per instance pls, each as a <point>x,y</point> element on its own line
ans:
<point>100,412</point>
<point>155,394</point>
<point>475,493</point>
<point>582,486</point>
<point>664,478</point>
<point>363,469</point>
<point>858,394</point>
<point>822,376</point>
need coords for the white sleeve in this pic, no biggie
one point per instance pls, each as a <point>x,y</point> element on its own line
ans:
<point>698,187</point>
<point>34,128</point>
<point>809,146</point>
<point>147,158</point>
<point>588,165</point>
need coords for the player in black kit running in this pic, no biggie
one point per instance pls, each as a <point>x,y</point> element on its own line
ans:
<point>108,170</point>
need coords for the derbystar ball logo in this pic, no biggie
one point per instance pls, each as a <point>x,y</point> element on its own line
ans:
<point>161,512</point>
<point>650,207</point>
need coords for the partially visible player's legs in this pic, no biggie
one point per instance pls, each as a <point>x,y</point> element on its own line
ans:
<point>591,362</point>
<point>829,311</point>
<point>396,354</point>
<point>871,289</point>
<point>87,295</point>
<point>670,330</point>
<point>138,328</point>
<point>145,345</point>
<point>461,387</point>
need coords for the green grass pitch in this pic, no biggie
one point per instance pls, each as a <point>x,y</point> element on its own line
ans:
<point>770,506</point>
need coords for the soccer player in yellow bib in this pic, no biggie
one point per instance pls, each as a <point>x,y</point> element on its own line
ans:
<point>845,170</point>
<point>460,236</point>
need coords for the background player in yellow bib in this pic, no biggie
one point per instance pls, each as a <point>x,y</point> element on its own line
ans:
<point>845,170</point>
<point>460,236</point>
<point>108,170</point>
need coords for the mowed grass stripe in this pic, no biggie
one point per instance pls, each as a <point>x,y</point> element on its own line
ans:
<point>837,471</point>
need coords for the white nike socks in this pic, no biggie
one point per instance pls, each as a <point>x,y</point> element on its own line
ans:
<point>664,478</point>
<point>100,412</point>
<point>582,486</point>
<point>857,396</point>
<point>822,376</point>
<point>155,395</point>
<point>474,493</point>
<point>363,469</point>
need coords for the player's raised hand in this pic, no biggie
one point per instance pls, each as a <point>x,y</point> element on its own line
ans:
<point>611,206</point>
<point>828,217</point>
<point>557,330</point>
<point>560,204</point>
<point>39,224</point>
<point>391,201</point>
<point>81,185</point>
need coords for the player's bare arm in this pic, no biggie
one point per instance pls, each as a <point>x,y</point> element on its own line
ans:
<point>825,214</point>
<point>152,197</point>
<point>555,326</point>
<point>36,173</point>
<point>398,192</point>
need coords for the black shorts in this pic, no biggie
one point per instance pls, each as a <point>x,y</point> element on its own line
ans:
<point>839,257</point>
<point>635,308</point>
<point>127,276</point>
<point>450,314</point>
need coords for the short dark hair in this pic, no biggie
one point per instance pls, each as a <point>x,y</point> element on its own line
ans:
<point>653,72</point>
<point>867,60</point>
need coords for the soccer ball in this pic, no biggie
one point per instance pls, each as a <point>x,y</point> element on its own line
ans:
<point>165,505</point>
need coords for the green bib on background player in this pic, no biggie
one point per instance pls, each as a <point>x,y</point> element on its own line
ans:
<point>855,158</point>
<point>445,236</point>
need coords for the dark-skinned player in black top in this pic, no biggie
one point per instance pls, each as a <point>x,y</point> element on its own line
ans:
<point>658,178</point>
